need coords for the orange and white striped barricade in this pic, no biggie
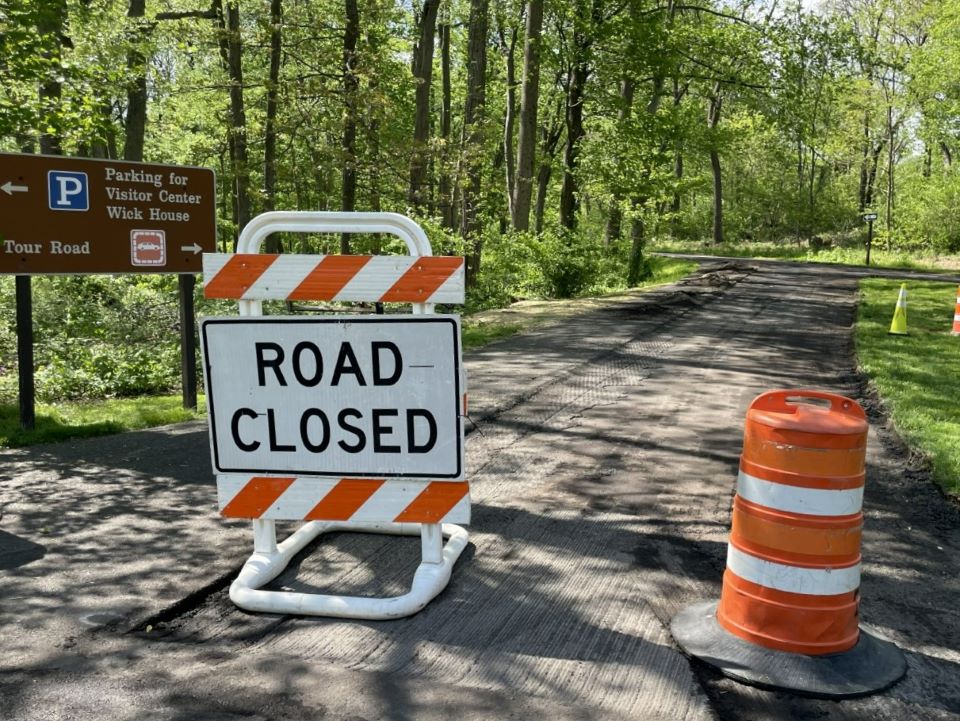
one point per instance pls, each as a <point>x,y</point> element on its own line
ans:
<point>275,384</point>
<point>788,615</point>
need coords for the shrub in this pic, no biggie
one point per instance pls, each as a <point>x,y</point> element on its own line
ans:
<point>570,263</point>
<point>96,336</point>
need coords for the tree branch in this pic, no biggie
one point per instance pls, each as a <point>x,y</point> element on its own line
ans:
<point>700,8</point>
<point>734,81</point>
<point>209,14</point>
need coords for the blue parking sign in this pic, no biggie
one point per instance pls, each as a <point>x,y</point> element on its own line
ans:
<point>67,190</point>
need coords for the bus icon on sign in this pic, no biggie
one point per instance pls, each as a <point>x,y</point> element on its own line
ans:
<point>148,247</point>
<point>67,190</point>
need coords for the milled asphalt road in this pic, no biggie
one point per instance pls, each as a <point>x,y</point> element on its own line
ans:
<point>602,467</point>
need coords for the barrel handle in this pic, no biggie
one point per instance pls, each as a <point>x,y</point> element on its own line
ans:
<point>778,401</point>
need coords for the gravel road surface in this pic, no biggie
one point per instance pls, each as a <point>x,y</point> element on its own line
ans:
<point>602,458</point>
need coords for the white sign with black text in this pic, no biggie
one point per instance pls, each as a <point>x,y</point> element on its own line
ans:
<point>363,397</point>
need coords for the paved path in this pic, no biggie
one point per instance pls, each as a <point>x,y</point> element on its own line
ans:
<point>602,468</point>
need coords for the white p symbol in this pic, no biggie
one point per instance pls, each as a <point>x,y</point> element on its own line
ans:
<point>69,187</point>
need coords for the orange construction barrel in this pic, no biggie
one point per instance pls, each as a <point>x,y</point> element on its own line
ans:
<point>788,616</point>
<point>793,561</point>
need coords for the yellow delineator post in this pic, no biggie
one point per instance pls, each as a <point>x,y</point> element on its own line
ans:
<point>899,324</point>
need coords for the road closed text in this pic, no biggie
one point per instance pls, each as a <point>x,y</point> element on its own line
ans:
<point>385,430</point>
<point>372,397</point>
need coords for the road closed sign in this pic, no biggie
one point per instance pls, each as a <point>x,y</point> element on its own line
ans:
<point>368,397</point>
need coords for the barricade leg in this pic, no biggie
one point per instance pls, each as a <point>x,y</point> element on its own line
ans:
<point>430,578</point>
<point>431,543</point>
<point>264,536</point>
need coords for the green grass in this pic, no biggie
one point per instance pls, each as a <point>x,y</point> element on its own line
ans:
<point>667,270</point>
<point>60,421</point>
<point>476,335</point>
<point>803,253</point>
<point>918,375</point>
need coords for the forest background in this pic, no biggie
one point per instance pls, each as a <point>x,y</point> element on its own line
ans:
<point>550,141</point>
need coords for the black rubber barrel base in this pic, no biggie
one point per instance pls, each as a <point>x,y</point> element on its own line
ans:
<point>872,665</point>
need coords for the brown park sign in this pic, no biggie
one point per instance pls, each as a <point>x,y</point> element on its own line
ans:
<point>75,215</point>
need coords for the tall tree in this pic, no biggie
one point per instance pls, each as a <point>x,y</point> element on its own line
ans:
<point>550,134</point>
<point>508,45</point>
<point>447,204</point>
<point>715,100</point>
<point>51,25</point>
<point>351,84</point>
<point>231,52</point>
<point>423,77</point>
<point>473,119</point>
<point>270,122</point>
<point>375,42</point>
<point>138,35</point>
<point>587,21</point>
<point>615,219</point>
<point>529,99</point>
<point>136,118</point>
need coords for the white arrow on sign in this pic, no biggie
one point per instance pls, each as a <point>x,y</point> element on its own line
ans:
<point>9,188</point>
<point>196,248</point>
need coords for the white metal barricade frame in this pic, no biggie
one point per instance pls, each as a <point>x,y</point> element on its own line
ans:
<point>270,558</point>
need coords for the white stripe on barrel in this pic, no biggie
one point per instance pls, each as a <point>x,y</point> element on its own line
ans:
<point>793,579</point>
<point>796,499</point>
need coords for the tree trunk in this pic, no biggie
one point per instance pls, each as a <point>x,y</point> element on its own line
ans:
<point>104,147</point>
<point>549,140</point>
<point>374,42</point>
<point>576,88</point>
<point>543,184</point>
<point>678,175</point>
<point>510,113</point>
<point>812,190</point>
<point>473,117</point>
<point>801,160</point>
<point>348,145</point>
<point>713,119</point>
<point>678,93</point>
<point>26,143</point>
<point>231,53</point>
<point>423,77</point>
<point>615,219</point>
<point>270,122</point>
<point>529,98</point>
<point>447,208</point>
<point>871,178</point>
<point>717,197</point>
<point>136,120</point>
<point>322,174</point>
<point>890,173</point>
<point>635,269</point>
<point>51,21</point>
<point>864,170</point>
